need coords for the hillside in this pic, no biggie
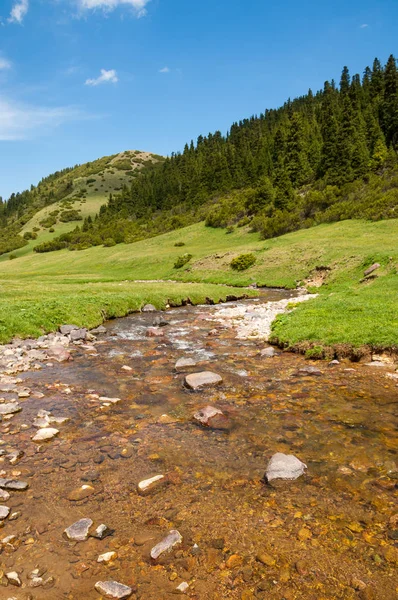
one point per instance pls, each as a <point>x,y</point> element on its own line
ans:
<point>61,201</point>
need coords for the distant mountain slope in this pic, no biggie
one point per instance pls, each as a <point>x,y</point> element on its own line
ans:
<point>57,204</point>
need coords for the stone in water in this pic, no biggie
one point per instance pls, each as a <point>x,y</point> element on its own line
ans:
<point>113,589</point>
<point>9,408</point>
<point>166,545</point>
<point>146,486</point>
<point>196,381</point>
<point>284,466</point>
<point>106,557</point>
<point>78,532</point>
<point>4,512</point>
<point>47,433</point>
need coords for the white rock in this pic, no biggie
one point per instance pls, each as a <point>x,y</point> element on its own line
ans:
<point>147,485</point>
<point>284,466</point>
<point>4,512</point>
<point>13,578</point>
<point>197,381</point>
<point>204,414</point>
<point>106,557</point>
<point>47,433</point>
<point>113,589</point>
<point>182,587</point>
<point>166,545</point>
<point>9,408</point>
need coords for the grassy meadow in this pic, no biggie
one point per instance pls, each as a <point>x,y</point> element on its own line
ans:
<point>39,292</point>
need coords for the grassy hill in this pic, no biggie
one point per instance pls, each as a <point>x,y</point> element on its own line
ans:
<point>82,189</point>
<point>87,286</point>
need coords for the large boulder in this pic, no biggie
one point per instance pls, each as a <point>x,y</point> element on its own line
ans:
<point>78,334</point>
<point>66,329</point>
<point>198,381</point>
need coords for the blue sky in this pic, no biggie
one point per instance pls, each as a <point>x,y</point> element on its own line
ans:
<point>83,78</point>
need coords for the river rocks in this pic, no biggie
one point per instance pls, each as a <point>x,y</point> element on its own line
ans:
<point>78,334</point>
<point>13,484</point>
<point>174,538</point>
<point>183,587</point>
<point>4,512</point>
<point>13,578</point>
<point>113,589</point>
<point>184,363</point>
<point>81,493</point>
<point>149,308</point>
<point>150,485</point>
<point>284,466</point>
<point>45,434</point>
<point>212,417</point>
<point>10,408</point>
<point>154,332</point>
<point>309,371</point>
<point>268,352</point>
<point>159,321</point>
<point>67,329</point>
<point>59,353</point>
<point>4,495</point>
<point>197,381</point>
<point>98,330</point>
<point>107,557</point>
<point>371,269</point>
<point>79,531</point>
<point>102,531</point>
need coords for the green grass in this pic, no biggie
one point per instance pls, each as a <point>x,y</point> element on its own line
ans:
<point>41,291</point>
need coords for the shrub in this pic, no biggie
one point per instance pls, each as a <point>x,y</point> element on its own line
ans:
<point>12,256</point>
<point>182,260</point>
<point>91,180</point>
<point>36,228</point>
<point>230,229</point>
<point>243,262</point>
<point>29,235</point>
<point>51,230</point>
<point>70,215</point>
<point>109,242</point>
<point>179,244</point>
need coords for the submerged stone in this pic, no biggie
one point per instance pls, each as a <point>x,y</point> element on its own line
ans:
<point>45,434</point>
<point>268,352</point>
<point>79,531</point>
<point>81,493</point>
<point>13,484</point>
<point>212,417</point>
<point>9,408</point>
<point>184,363</point>
<point>146,486</point>
<point>167,544</point>
<point>197,381</point>
<point>113,589</point>
<point>102,531</point>
<point>4,512</point>
<point>284,466</point>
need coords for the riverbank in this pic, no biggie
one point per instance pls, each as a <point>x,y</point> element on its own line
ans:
<point>353,311</point>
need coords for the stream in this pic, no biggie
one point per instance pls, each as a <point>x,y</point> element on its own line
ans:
<point>331,533</point>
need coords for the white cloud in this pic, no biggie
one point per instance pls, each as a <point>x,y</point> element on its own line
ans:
<point>363,26</point>
<point>22,121</point>
<point>4,64</point>
<point>139,6</point>
<point>18,11</point>
<point>105,77</point>
<point>164,70</point>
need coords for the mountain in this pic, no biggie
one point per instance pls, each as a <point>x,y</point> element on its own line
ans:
<point>61,200</point>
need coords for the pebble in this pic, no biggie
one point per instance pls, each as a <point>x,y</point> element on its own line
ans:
<point>212,417</point>
<point>113,589</point>
<point>106,557</point>
<point>197,381</point>
<point>172,539</point>
<point>4,512</point>
<point>13,484</point>
<point>81,493</point>
<point>284,466</point>
<point>13,578</point>
<point>184,363</point>
<point>79,531</point>
<point>266,559</point>
<point>268,352</point>
<point>47,433</point>
<point>146,486</point>
<point>149,308</point>
<point>182,587</point>
<point>126,368</point>
<point>10,408</point>
<point>102,531</point>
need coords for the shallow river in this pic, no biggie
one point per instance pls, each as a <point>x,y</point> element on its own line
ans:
<point>331,533</point>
